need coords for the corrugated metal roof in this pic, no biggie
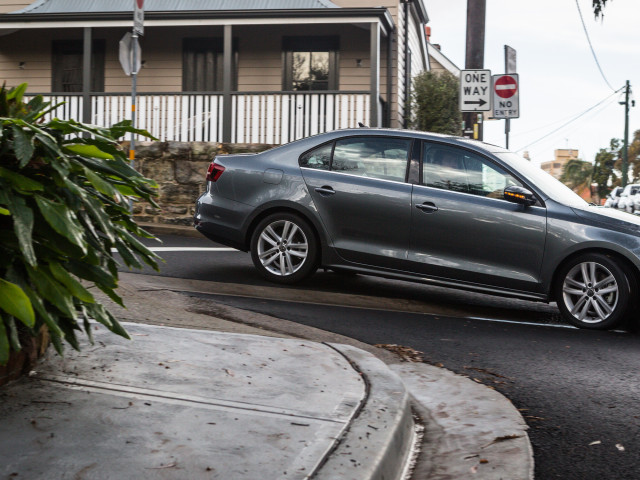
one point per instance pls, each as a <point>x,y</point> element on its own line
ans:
<point>95,6</point>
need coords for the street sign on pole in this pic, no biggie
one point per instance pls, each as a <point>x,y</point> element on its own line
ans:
<point>138,17</point>
<point>506,96</point>
<point>509,59</point>
<point>475,90</point>
<point>125,54</point>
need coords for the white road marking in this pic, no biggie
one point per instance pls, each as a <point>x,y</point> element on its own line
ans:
<point>496,320</point>
<point>187,249</point>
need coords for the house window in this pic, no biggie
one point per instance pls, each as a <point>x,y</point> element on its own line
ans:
<point>66,66</point>
<point>310,63</point>
<point>203,65</point>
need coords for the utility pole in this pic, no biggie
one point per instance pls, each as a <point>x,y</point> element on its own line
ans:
<point>625,148</point>
<point>474,58</point>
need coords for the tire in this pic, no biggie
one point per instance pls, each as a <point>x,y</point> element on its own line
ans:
<point>284,248</point>
<point>593,291</point>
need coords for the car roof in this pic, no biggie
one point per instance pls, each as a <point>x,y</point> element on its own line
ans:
<point>451,139</point>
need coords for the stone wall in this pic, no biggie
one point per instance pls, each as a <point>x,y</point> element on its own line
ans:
<point>179,169</point>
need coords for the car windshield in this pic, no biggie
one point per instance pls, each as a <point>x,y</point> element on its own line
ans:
<point>555,189</point>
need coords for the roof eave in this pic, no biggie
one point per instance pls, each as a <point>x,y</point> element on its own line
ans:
<point>380,12</point>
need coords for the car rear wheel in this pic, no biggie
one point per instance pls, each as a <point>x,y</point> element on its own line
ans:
<point>593,292</point>
<point>284,248</point>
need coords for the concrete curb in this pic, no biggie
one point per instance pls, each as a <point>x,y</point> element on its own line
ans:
<point>471,430</point>
<point>380,437</point>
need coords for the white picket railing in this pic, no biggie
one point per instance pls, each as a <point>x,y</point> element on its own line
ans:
<point>273,118</point>
<point>283,117</point>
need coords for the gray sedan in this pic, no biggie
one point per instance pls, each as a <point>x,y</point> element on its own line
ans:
<point>429,208</point>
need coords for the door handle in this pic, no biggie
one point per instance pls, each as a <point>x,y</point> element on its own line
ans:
<point>325,190</point>
<point>427,207</point>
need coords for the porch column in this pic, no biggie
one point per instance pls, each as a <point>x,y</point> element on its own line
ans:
<point>227,110</point>
<point>86,74</point>
<point>374,56</point>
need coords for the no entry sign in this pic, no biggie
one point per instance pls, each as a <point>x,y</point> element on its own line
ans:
<point>506,96</point>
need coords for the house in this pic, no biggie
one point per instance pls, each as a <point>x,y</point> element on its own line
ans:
<point>240,71</point>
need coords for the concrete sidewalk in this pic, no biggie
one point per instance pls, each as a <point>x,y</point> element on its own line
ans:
<point>189,404</point>
<point>231,399</point>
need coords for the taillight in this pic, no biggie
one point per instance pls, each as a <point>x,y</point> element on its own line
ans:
<point>214,172</point>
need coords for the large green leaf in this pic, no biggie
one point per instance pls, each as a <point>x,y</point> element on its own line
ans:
<point>99,184</point>
<point>20,182</point>
<point>23,227</point>
<point>17,93</point>
<point>87,151</point>
<point>52,291</point>
<point>22,146</point>
<point>74,287</point>
<point>43,313</point>
<point>93,273</point>
<point>15,302</point>
<point>63,221</point>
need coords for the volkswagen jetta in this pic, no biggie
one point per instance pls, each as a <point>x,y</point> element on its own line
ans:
<point>425,207</point>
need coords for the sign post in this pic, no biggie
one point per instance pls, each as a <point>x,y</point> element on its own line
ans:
<point>138,29</point>
<point>475,96</point>
<point>509,67</point>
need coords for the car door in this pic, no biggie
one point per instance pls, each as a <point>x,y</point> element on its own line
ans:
<point>358,185</point>
<point>464,230</point>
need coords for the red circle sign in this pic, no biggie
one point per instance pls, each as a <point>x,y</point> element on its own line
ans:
<point>140,4</point>
<point>506,86</point>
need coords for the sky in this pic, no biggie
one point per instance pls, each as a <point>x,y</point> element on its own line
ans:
<point>559,78</point>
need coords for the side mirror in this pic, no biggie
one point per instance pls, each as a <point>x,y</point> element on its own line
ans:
<point>519,195</point>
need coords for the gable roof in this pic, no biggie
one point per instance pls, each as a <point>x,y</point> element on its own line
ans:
<point>96,6</point>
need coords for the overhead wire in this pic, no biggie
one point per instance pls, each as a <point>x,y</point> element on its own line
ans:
<point>584,26</point>
<point>569,129</point>
<point>572,120</point>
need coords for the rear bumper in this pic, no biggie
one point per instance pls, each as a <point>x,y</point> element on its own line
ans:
<point>222,220</point>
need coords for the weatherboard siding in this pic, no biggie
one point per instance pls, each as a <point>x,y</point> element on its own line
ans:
<point>7,6</point>
<point>260,61</point>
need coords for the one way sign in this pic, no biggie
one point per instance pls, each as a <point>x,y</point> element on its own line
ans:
<point>475,90</point>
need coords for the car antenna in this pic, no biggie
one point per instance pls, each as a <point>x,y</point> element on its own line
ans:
<point>362,125</point>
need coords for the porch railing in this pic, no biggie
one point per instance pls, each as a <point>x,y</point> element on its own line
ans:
<point>263,117</point>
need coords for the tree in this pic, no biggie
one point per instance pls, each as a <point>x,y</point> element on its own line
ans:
<point>435,103</point>
<point>634,156</point>
<point>598,7</point>
<point>577,174</point>
<point>604,168</point>
<point>65,189</point>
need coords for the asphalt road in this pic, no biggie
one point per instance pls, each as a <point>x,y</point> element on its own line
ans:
<point>578,390</point>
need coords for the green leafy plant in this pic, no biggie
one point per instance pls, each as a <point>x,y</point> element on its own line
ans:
<point>65,192</point>
<point>435,103</point>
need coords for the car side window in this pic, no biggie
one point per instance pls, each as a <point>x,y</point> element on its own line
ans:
<point>462,171</point>
<point>376,157</point>
<point>318,158</point>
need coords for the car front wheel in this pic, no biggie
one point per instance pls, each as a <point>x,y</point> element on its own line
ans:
<point>284,248</point>
<point>593,292</point>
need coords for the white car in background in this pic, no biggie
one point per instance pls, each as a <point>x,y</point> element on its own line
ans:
<point>635,200</point>
<point>626,197</point>
<point>613,197</point>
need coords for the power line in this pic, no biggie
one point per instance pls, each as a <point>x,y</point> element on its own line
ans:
<point>591,46</point>
<point>572,120</point>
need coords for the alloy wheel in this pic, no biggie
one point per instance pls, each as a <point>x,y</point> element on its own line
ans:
<point>282,248</point>
<point>590,292</point>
